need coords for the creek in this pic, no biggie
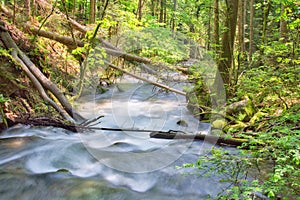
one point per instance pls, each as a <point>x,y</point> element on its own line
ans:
<point>52,163</point>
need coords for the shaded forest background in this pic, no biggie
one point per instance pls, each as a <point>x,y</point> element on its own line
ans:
<point>255,45</point>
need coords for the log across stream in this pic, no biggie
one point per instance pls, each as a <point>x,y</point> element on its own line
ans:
<point>53,163</point>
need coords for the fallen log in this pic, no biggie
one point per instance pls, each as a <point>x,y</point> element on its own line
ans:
<point>174,134</point>
<point>68,41</point>
<point>146,80</point>
<point>39,80</point>
<point>43,121</point>
<point>83,29</point>
<point>209,138</point>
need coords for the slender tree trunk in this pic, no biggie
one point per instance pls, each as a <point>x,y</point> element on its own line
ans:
<point>240,45</point>
<point>34,8</point>
<point>209,32</point>
<point>104,9</point>
<point>14,14</point>
<point>140,10</point>
<point>245,22</point>
<point>74,9</point>
<point>165,11</point>
<point>198,9</point>
<point>283,26</point>
<point>251,28</point>
<point>153,7</point>
<point>85,10</point>
<point>92,11</point>
<point>228,37</point>
<point>265,22</point>
<point>161,14</point>
<point>28,8</point>
<point>174,15</point>
<point>241,25</point>
<point>216,27</point>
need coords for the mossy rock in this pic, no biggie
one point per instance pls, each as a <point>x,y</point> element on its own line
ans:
<point>219,124</point>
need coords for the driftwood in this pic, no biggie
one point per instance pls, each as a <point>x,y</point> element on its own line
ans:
<point>146,80</point>
<point>40,81</point>
<point>209,138</point>
<point>172,134</point>
<point>44,121</point>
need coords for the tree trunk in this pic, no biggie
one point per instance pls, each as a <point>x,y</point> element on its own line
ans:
<point>265,22</point>
<point>140,10</point>
<point>240,46</point>
<point>28,8</point>
<point>92,11</point>
<point>241,25</point>
<point>165,12</point>
<point>207,138</point>
<point>161,14</point>
<point>153,7</point>
<point>228,38</point>
<point>283,26</point>
<point>104,10</point>
<point>74,8</point>
<point>216,28</point>
<point>146,80</point>
<point>14,14</point>
<point>251,28</point>
<point>208,44</point>
<point>70,43</point>
<point>173,25</point>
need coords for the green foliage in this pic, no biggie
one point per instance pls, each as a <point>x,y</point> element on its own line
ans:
<point>229,167</point>
<point>274,153</point>
<point>281,138</point>
<point>272,86</point>
<point>3,99</point>
<point>159,44</point>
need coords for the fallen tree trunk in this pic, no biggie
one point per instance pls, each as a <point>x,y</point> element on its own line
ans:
<point>68,41</point>
<point>144,79</point>
<point>83,30</point>
<point>209,138</point>
<point>7,42</point>
<point>39,80</point>
<point>43,121</point>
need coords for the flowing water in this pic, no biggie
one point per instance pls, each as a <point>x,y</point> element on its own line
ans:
<point>52,163</point>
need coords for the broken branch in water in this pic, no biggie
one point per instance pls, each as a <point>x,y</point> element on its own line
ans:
<point>176,134</point>
<point>209,138</point>
<point>146,80</point>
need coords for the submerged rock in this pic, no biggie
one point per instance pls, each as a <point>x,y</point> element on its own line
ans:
<point>182,122</point>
